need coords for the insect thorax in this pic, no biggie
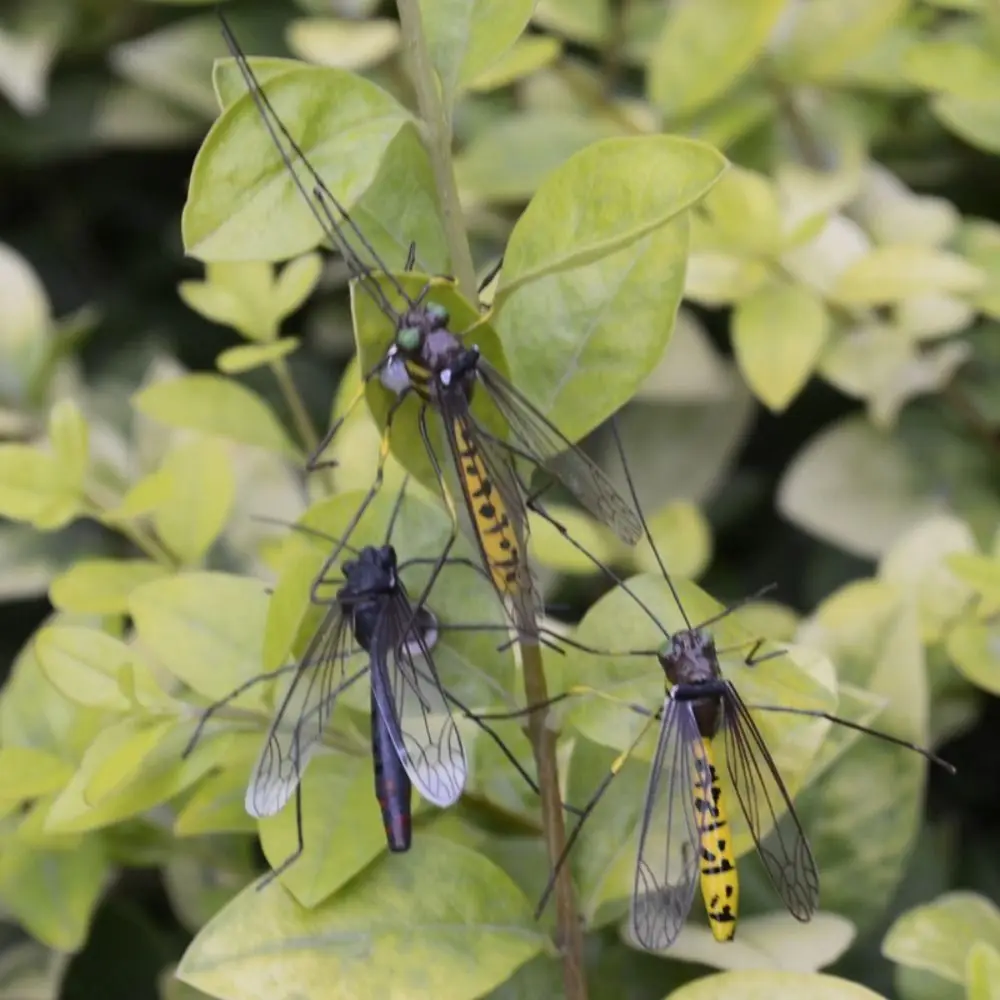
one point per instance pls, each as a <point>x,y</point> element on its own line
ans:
<point>429,358</point>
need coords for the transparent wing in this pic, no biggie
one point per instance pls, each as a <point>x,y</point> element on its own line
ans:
<point>548,447</point>
<point>784,850</point>
<point>503,541</point>
<point>666,870</point>
<point>303,714</point>
<point>413,705</point>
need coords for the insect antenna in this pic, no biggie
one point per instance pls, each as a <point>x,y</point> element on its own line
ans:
<point>306,530</point>
<point>277,130</point>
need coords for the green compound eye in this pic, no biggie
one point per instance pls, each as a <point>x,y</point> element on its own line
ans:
<point>408,338</point>
<point>437,313</point>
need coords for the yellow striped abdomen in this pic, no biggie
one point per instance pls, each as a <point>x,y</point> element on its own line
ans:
<point>719,884</point>
<point>497,537</point>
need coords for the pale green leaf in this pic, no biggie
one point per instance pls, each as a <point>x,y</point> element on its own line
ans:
<point>83,664</point>
<point>854,487</point>
<point>717,279</point>
<point>586,21</point>
<point>24,340</point>
<point>825,35</point>
<point>744,209</point>
<point>982,573</point>
<point>527,55</point>
<point>215,405</point>
<point>205,628</point>
<point>217,805</point>
<point>982,972</point>
<point>26,773</point>
<point>145,496</point>
<point>123,751</point>
<point>246,357</point>
<point>954,67</point>
<point>440,919</point>
<point>347,44</point>
<point>33,488</point>
<point>938,936</point>
<point>889,274</point>
<point>704,47</point>
<point>550,547</point>
<point>602,199</point>
<point>974,649</point>
<point>466,37</point>
<point>779,333</point>
<point>976,120</point>
<point>202,493</point>
<point>222,305</point>
<point>563,332</point>
<point>683,539</point>
<point>770,941</point>
<point>244,205</point>
<point>296,282</point>
<point>27,877</point>
<point>756,985</point>
<point>102,586</point>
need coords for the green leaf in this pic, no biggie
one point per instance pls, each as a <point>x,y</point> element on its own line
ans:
<point>102,586</point>
<point>563,332</point>
<point>982,573</point>
<point>717,279</point>
<point>704,47</point>
<point>889,274</point>
<point>549,547</point>
<point>246,357</point>
<point>349,44</point>
<point>206,629</point>
<point>26,773</point>
<point>586,21</point>
<point>758,985</point>
<point>25,341</point>
<point>854,487</point>
<point>215,405</point>
<point>509,159</point>
<point>341,829</point>
<point>27,876</point>
<point>527,55</point>
<point>938,936</point>
<point>84,664</point>
<point>33,488</point>
<point>239,183</point>
<point>217,804</point>
<point>976,120</point>
<point>202,493</point>
<point>982,972</point>
<point>602,199</point>
<point>441,919</point>
<point>744,210</point>
<point>466,38</point>
<point>683,539</point>
<point>825,35</point>
<point>237,294</point>
<point>778,335</point>
<point>296,282</point>
<point>973,647</point>
<point>770,941</point>
<point>954,67</point>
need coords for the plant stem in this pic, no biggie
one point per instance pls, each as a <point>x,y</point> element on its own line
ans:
<point>146,543</point>
<point>437,136</point>
<point>543,742</point>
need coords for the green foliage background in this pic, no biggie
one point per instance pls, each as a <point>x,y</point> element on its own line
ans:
<point>823,413</point>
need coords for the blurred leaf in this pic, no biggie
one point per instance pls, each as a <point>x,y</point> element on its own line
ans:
<point>744,209</point>
<point>601,200</point>
<point>937,937</point>
<point>753,985</point>
<point>716,279</point>
<point>466,38</point>
<point>771,941</point>
<point>982,973</point>
<point>24,340</point>
<point>246,357</point>
<point>239,182</point>
<point>33,488</point>
<point>683,539</point>
<point>586,21</point>
<point>84,665</point>
<point>779,332</point>
<point>888,274</point>
<point>102,586</point>
<point>976,120</point>
<point>29,774</point>
<point>527,55</point>
<point>29,44</point>
<point>466,927</point>
<point>217,804</point>
<point>69,436</point>
<point>333,41</point>
<point>953,67</point>
<point>854,487</point>
<point>704,47</point>
<point>202,493</point>
<point>824,35</point>
<point>551,548</point>
<point>974,648</point>
<point>215,405</point>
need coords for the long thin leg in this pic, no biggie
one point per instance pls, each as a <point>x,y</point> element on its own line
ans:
<point>297,853</point>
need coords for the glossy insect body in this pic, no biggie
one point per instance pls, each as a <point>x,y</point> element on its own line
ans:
<point>393,787</point>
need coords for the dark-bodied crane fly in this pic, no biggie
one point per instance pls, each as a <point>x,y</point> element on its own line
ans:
<point>427,360</point>
<point>415,738</point>
<point>685,834</point>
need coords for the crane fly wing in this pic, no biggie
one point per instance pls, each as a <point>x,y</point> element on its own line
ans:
<point>783,849</point>
<point>666,870</point>
<point>303,714</point>
<point>538,437</point>
<point>413,705</point>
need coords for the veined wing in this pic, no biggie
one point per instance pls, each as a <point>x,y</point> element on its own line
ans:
<point>534,434</point>
<point>414,707</point>
<point>666,871</point>
<point>302,716</point>
<point>784,850</point>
